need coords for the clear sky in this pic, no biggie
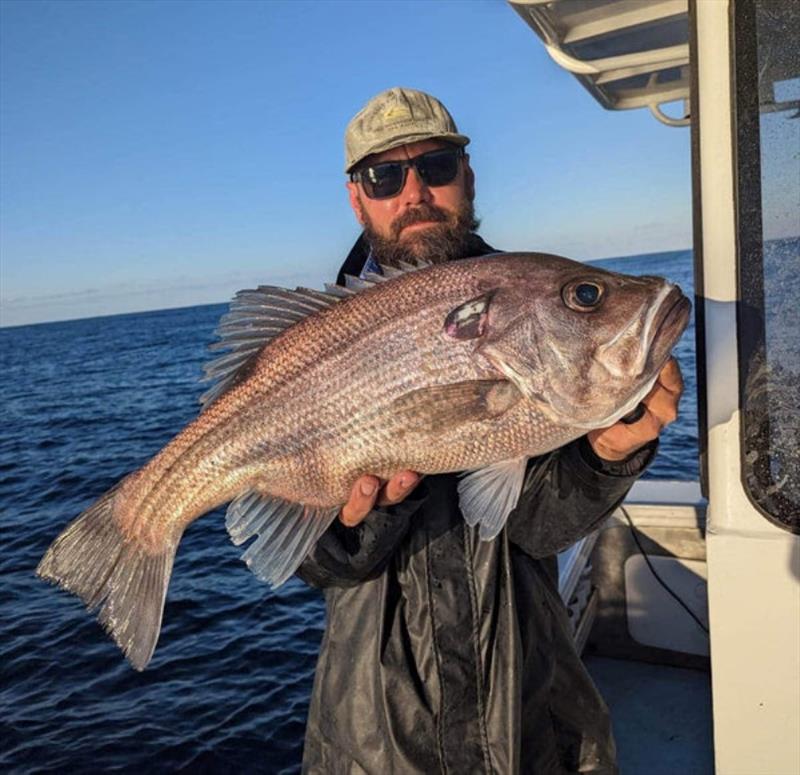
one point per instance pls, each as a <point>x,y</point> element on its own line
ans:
<point>164,153</point>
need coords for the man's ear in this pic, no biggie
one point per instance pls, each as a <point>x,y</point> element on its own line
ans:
<point>469,179</point>
<point>355,201</point>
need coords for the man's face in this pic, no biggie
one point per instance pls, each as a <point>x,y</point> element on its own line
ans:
<point>421,221</point>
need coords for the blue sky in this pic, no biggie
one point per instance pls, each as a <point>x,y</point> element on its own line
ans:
<point>160,154</point>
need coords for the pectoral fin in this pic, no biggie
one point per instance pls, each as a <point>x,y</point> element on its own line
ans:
<point>434,409</point>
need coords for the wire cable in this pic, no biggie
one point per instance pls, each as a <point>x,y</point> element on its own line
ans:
<point>674,595</point>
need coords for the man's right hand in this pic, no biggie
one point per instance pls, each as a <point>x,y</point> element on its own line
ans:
<point>369,491</point>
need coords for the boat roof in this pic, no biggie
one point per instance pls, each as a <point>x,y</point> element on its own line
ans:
<point>627,53</point>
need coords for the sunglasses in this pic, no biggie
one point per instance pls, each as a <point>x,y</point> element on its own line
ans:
<point>387,179</point>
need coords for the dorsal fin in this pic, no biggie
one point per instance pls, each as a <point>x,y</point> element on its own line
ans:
<point>356,283</point>
<point>404,267</point>
<point>257,316</point>
<point>338,290</point>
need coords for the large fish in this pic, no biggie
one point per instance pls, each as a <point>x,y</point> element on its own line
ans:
<point>473,365</point>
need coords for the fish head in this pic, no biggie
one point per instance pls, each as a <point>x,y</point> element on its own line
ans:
<point>584,343</point>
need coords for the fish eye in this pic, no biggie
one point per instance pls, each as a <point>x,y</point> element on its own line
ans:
<point>587,294</point>
<point>583,296</point>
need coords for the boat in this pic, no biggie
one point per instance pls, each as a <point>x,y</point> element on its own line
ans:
<point>686,603</point>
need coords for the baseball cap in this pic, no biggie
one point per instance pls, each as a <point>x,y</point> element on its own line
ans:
<point>395,117</point>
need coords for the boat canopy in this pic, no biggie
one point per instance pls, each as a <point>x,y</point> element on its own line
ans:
<point>627,53</point>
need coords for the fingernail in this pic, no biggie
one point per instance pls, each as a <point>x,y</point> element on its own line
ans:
<point>367,488</point>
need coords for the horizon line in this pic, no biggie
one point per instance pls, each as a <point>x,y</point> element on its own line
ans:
<point>227,301</point>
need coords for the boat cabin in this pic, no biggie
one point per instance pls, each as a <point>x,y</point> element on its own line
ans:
<point>687,602</point>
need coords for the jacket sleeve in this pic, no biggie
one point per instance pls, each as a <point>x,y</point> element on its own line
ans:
<point>345,556</point>
<point>568,493</point>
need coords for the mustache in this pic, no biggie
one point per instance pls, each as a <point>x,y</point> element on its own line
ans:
<point>421,213</point>
<point>450,238</point>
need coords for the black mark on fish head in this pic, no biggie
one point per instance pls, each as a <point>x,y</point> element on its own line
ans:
<point>469,320</point>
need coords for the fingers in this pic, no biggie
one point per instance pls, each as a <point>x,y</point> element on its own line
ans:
<point>362,499</point>
<point>368,490</point>
<point>398,487</point>
<point>661,408</point>
<point>670,377</point>
<point>662,401</point>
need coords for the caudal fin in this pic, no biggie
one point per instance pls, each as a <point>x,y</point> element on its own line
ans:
<point>94,560</point>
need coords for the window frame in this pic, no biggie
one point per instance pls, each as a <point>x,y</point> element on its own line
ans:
<point>746,143</point>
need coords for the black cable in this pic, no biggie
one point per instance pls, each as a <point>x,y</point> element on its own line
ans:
<point>635,534</point>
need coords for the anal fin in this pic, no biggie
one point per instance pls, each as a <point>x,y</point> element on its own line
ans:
<point>286,532</point>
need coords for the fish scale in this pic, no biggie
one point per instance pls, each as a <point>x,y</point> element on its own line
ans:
<point>473,365</point>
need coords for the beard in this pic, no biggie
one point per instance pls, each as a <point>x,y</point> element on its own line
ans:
<point>449,237</point>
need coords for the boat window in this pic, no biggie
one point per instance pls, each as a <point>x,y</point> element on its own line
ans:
<point>767,77</point>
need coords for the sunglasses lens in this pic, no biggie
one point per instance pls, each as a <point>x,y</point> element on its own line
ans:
<point>439,167</point>
<point>383,180</point>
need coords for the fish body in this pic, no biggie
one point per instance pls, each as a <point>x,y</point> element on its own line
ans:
<point>474,365</point>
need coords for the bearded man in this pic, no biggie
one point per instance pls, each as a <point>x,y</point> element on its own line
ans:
<point>444,653</point>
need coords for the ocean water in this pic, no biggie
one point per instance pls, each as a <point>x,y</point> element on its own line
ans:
<point>83,403</point>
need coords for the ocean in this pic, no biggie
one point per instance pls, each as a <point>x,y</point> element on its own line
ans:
<point>83,403</point>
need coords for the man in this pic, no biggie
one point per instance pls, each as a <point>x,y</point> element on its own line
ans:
<point>444,653</point>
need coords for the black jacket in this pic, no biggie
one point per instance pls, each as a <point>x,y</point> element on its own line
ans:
<point>447,654</point>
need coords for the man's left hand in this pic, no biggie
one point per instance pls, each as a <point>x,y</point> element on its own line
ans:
<point>619,441</point>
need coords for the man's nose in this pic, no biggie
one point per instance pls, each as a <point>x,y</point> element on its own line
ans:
<point>415,189</point>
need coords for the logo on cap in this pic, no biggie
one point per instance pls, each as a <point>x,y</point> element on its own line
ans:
<point>397,113</point>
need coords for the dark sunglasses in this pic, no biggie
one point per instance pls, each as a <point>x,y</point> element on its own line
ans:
<point>387,179</point>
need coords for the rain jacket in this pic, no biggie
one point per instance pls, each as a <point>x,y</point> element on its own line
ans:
<point>447,654</point>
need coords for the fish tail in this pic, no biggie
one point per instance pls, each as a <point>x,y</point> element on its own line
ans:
<point>114,573</point>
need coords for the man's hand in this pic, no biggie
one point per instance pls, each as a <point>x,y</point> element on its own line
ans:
<point>619,441</point>
<point>369,491</point>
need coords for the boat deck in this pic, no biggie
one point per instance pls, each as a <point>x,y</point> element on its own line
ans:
<point>661,716</point>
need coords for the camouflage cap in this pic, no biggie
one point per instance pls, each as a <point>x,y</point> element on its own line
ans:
<point>395,117</point>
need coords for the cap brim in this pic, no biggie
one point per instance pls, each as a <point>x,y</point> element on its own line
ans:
<point>411,137</point>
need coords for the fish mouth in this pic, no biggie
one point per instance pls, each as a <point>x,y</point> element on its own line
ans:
<point>670,323</point>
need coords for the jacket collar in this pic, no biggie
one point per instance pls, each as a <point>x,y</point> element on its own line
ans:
<point>359,253</point>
